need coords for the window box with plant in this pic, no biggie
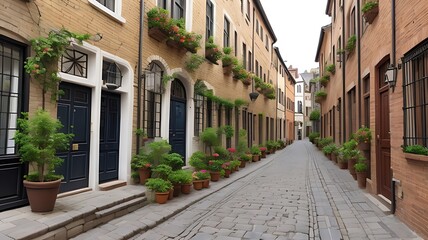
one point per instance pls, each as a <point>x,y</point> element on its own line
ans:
<point>159,23</point>
<point>416,153</point>
<point>331,68</point>
<point>212,53</point>
<point>320,96</point>
<point>324,80</point>
<point>228,61</point>
<point>350,44</point>
<point>370,10</point>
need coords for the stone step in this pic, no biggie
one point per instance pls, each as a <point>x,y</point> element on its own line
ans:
<point>112,185</point>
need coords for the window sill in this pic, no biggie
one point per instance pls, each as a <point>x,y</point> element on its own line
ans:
<point>108,12</point>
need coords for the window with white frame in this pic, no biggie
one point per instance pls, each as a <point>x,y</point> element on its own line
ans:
<point>210,19</point>
<point>178,9</point>
<point>112,8</point>
<point>226,33</point>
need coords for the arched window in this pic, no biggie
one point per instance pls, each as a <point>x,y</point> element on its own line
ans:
<point>152,100</point>
<point>299,89</point>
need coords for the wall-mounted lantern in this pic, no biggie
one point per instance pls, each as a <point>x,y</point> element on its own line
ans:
<point>112,75</point>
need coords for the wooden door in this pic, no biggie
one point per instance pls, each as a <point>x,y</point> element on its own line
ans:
<point>177,123</point>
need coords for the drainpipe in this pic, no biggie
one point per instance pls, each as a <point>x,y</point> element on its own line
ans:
<point>393,53</point>
<point>343,76</point>
<point>139,71</point>
<point>359,62</point>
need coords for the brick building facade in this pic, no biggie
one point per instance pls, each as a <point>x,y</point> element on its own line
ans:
<point>394,40</point>
<point>105,116</point>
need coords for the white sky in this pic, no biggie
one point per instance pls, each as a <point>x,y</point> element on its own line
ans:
<point>297,26</point>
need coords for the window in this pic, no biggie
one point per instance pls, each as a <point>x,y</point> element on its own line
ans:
<point>210,19</point>
<point>261,33</point>
<point>219,115</point>
<point>272,129</point>
<point>351,110</point>
<point>250,61</point>
<point>152,100</point>
<point>257,68</point>
<point>248,10</point>
<point>267,128</point>
<point>162,4</point>
<point>257,26</point>
<point>226,33</point>
<point>352,22</point>
<point>299,107</point>
<point>209,113</point>
<point>261,71</point>
<point>415,91</point>
<point>199,102</point>
<point>242,6</point>
<point>299,89</point>
<point>267,42</point>
<point>260,129</point>
<point>236,43</point>
<point>366,100</point>
<point>74,62</point>
<point>244,55</point>
<point>112,8</point>
<point>178,9</point>
<point>12,61</point>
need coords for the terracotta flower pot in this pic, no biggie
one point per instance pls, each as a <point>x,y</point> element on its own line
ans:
<point>171,194</point>
<point>243,163</point>
<point>206,183</point>
<point>361,179</point>
<point>256,158</point>
<point>351,163</point>
<point>343,164</point>
<point>144,175</point>
<point>334,158</point>
<point>161,198</point>
<point>186,187</point>
<point>263,154</point>
<point>42,195</point>
<point>177,190</point>
<point>198,184</point>
<point>215,176</point>
<point>227,173</point>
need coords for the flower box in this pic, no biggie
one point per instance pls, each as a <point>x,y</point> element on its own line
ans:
<point>227,69</point>
<point>415,157</point>
<point>371,14</point>
<point>158,34</point>
<point>210,55</point>
<point>174,44</point>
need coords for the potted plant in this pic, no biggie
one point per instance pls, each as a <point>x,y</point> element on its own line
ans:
<point>331,68</point>
<point>209,138</point>
<point>350,44</point>
<point>159,23</point>
<point>227,167</point>
<point>315,115</point>
<point>200,179</point>
<point>212,53</point>
<point>141,164</point>
<point>186,182</point>
<point>361,171</point>
<point>255,151</point>
<point>176,178</point>
<point>320,96</point>
<point>329,149</point>
<point>197,161</point>
<point>38,140</point>
<point>263,152</point>
<point>313,135</point>
<point>416,152</point>
<point>363,136</point>
<point>228,61</point>
<point>370,10</point>
<point>215,166</point>
<point>161,188</point>
<point>324,80</point>
<point>244,158</point>
<point>193,62</point>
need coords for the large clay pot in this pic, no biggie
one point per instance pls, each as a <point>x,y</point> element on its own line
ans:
<point>144,174</point>
<point>198,184</point>
<point>161,198</point>
<point>361,179</point>
<point>206,183</point>
<point>351,163</point>
<point>342,164</point>
<point>263,154</point>
<point>256,158</point>
<point>186,187</point>
<point>42,195</point>
<point>171,194</point>
<point>177,190</point>
<point>215,176</point>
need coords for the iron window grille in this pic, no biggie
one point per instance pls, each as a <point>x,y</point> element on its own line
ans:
<point>75,63</point>
<point>415,89</point>
<point>199,102</point>
<point>152,100</point>
<point>11,62</point>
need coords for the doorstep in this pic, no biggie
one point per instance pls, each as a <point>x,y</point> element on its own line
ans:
<point>72,214</point>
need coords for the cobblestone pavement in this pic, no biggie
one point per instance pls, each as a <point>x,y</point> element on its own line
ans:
<point>299,195</point>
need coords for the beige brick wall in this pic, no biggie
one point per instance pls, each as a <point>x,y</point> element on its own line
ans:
<point>412,28</point>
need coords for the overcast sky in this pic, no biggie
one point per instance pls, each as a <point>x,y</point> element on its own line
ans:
<point>297,25</point>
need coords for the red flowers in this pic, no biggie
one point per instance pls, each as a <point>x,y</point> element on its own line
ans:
<point>216,155</point>
<point>231,150</point>
<point>262,149</point>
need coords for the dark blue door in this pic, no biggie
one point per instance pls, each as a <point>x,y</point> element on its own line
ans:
<point>109,137</point>
<point>177,126</point>
<point>74,112</point>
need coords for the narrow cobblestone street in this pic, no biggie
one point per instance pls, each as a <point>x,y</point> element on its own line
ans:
<point>299,195</point>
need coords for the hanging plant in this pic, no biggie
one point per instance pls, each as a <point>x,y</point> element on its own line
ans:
<point>43,66</point>
<point>240,102</point>
<point>166,78</point>
<point>194,61</point>
<point>200,87</point>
